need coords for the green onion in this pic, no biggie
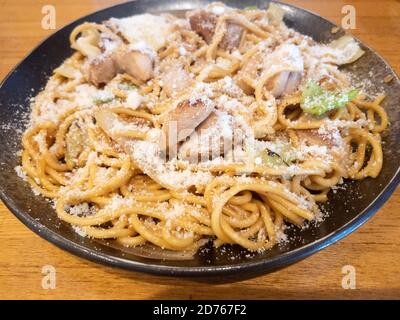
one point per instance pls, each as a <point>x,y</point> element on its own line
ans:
<point>126,86</point>
<point>271,159</point>
<point>288,154</point>
<point>99,101</point>
<point>251,8</point>
<point>317,101</point>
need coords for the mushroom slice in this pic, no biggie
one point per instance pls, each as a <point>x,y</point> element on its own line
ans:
<point>175,78</point>
<point>284,68</point>
<point>183,120</point>
<point>204,23</point>
<point>293,82</point>
<point>104,68</point>
<point>312,137</point>
<point>135,63</point>
<point>277,83</point>
<point>101,70</point>
<point>336,147</point>
<point>210,139</point>
<point>232,37</point>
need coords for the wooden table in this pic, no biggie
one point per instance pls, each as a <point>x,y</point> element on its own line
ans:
<point>373,250</point>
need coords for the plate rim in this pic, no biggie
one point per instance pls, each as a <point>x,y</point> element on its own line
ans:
<point>260,266</point>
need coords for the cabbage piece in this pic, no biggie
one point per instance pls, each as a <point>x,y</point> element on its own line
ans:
<point>87,43</point>
<point>317,101</point>
<point>280,154</point>
<point>143,29</point>
<point>349,49</point>
<point>68,71</point>
<point>271,159</point>
<point>275,14</point>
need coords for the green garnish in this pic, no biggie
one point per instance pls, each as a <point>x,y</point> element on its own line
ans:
<point>126,86</point>
<point>287,153</point>
<point>271,159</point>
<point>99,101</point>
<point>317,101</point>
<point>251,8</point>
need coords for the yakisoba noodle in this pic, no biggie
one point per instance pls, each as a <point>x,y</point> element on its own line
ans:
<point>97,144</point>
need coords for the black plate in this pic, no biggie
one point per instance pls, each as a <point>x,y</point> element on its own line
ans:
<point>348,208</point>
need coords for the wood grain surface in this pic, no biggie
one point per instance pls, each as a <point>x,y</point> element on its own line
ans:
<point>373,250</point>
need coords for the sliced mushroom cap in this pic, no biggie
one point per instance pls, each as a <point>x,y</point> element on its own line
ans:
<point>101,70</point>
<point>175,78</point>
<point>209,140</point>
<point>135,63</point>
<point>232,37</point>
<point>293,82</point>
<point>204,23</point>
<point>183,120</point>
<point>313,137</point>
<point>285,66</point>
<point>104,68</point>
<point>277,83</point>
<point>335,147</point>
